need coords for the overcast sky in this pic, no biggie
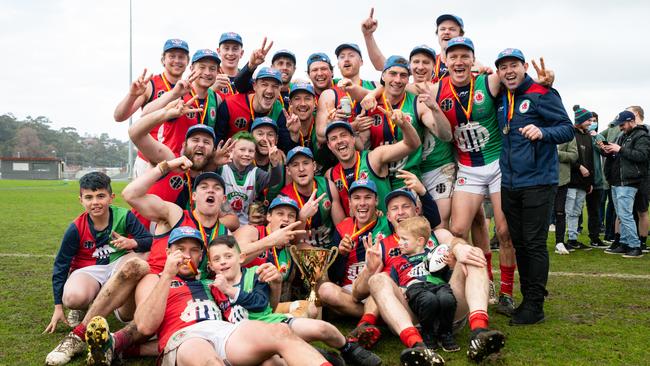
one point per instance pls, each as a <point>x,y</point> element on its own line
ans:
<point>68,60</point>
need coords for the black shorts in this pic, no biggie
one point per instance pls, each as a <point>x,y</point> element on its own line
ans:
<point>641,199</point>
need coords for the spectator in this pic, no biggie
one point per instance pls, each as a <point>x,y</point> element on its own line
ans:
<point>641,198</point>
<point>567,155</point>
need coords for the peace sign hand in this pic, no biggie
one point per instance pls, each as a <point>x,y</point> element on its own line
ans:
<point>139,86</point>
<point>283,236</point>
<point>223,153</point>
<point>310,208</point>
<point>259,55</point>
<point>400,118</point>
<point>177,108</point>
<point>293,122</point>
<point>374,262</point>
<point>276,156</point>
<point>184,86</point>
<point>369,26</point>
<point>544,77</point>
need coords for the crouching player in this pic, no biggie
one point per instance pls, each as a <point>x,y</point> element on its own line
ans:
<point>248,292</point>
<point>182,312</point>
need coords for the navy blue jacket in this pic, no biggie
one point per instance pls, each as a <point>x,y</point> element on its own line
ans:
<point>526,163</point>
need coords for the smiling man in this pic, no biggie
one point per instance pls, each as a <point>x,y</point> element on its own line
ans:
<point>231,50</point>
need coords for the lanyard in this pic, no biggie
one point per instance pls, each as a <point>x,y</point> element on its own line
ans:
<point>357,166</point>
<point>302,137</point>
<point>468,111</point>
<point>189,188</point>
<point>164,79</point>
<point>389,109</point>
<point>206,239</point>
<point>281,269</point>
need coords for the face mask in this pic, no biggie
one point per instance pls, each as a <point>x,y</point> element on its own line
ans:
<point>593,127</point>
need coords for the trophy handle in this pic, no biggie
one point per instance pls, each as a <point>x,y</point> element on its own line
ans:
<point>294,255</point>
<point>334,252</point>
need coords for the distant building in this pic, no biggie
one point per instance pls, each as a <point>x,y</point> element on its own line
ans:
<point>31,168</point>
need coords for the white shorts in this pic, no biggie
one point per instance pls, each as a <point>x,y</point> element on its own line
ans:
<point>216,332</point>
<point>140,167</point>
<point>440,181</point>
<point>483,180</point>
<point>100,272</point>
<point>348,290</point>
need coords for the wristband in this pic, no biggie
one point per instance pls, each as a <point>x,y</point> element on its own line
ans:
<point>163,166</point>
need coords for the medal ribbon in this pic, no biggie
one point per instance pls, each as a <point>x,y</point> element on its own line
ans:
<point>164,79</point>
<point>205,105</point>
<point>275,255</point>
<point>300,203</point>
<point>302,137</point>
<point>189,188</point>
<point>206,240</point>
<point>356,233</point>
<point>389,109</point>
<point>357,166</point>
<point>511,106</point>
<point>468,111</point>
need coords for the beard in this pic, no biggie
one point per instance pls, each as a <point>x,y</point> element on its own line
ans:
<point>199,162</point>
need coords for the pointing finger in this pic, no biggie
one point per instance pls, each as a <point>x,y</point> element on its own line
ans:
<point>372,12</point>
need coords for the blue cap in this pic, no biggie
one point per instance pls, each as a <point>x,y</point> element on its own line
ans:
<point>460,42</point>
<point>283,201</point>
<point>284,53</point>
<point>264,121</point>
<point>230,37</point>
<point>363,183</point>
<point>396,61</point>
<point>208,175</point>
<point>454,18</point>
<point>343,46</point>
<point>510,52</point>
<point>269,73</point>
<point>318,57</point>
<point>184,232</point>
<point>299,150</point>
<point>423,48</point>
<point>206,53</point>
<point>337,124</point>
<point>201,128</point>
<point>301,86</point>
<point>400,192</point>
<point>173,43</point>
<point>625,116</point>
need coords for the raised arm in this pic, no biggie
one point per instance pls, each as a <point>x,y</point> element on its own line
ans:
<point>138,95</point>
<point>182,88</point>
<point>368,28</point>
<point>381,156</point>
<point>151,206</point>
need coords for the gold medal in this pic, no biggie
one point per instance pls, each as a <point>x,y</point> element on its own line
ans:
<point>506,129</point>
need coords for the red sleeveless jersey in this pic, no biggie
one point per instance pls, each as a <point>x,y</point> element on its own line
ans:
<point>158,254</point>
<point>239,111</point>
<point>158,89</point>
<point>87,244</point>
<point>264,256</point>
<point>168,188</point>
<point>173,131</point>
<point>188,303</point>
<point>357,257</point>
<point>340,93</point>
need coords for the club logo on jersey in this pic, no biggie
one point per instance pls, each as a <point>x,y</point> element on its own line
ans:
<point>241,122</point>
<point>199,310</point>
<point>88,244</point>
<point>460,181</point>
<point>176,182</point>
<point>446,105</point>
<point>440,188</point>
<point>418,271</point>
<point>176,284</point>
<point>471,137</point>
<point>355,269</point>
<point>190,115</point>
<point>237,314</point>
<point>160,93</point>
<point>327,204</point>
<point>524,106</point>
<point>363,175</point>
<point>479,97</point>
<point>378,119</point>
<point>237,200</point>
<point>213,113</point>
<point>262,255</point>
<point>394,252</point>
<point>339,185</point>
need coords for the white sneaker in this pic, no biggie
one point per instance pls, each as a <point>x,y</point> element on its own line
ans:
<point>70,346</point>
<point>551,227</point>
<point>561,249</point>
<point>75,317</point>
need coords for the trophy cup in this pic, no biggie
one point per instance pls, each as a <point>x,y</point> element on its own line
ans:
<point>313,263</point>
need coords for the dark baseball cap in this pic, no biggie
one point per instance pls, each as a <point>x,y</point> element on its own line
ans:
<point>208,175</point>
<point>400,192</point>
<point>201,128</point>
<point>344,46</point>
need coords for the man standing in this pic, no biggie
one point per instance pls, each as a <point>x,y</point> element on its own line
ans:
<point>532,120</point>
<point>626,168</point>
<point>231,51</point>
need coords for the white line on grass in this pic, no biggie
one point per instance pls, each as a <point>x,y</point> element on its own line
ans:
<point>561,274</point>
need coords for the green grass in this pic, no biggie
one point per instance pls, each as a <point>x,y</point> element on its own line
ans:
<point>590,320</point>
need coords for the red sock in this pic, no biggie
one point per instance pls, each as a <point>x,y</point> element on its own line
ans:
<point>488,258</point>
<point>410,336</point>
<point>133,351</point>
<point>80,331</point>
<point>368,318</point>
<point>478,319</point>
<point>325,364</point>
<point>121,340</point>
<point>507,279</point>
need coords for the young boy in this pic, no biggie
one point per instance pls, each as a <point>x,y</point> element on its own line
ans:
<point>424,275</point>
<point>248,292</point>
<point>94,247</point>
<point>245,182</point>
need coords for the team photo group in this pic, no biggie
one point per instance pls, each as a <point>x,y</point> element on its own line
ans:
<point>266,205</point>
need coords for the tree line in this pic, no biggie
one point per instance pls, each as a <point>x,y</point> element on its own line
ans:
<point>33,137</point>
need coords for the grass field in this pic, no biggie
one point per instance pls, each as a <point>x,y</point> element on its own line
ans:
<point>591,319</point>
